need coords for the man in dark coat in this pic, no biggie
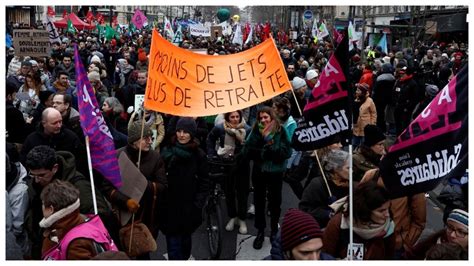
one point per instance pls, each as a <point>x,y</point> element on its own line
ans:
<point>381,93</point>
<point>45,165</point>
<point>51,133</point>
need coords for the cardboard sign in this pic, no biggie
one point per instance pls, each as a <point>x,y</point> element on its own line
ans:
<point>183,83</point>
<point>134,184</point>
<point>33,43</point>
<point>216,32</point>
<point>139,98</point>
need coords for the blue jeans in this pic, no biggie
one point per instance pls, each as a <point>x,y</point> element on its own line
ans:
<point>179,247</point>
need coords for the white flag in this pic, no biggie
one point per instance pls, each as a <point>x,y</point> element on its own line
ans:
<point>249,38</point>
<point>168,29</point>
<point>322,31</point>
<point>53,32</point>
<point>238,37</point>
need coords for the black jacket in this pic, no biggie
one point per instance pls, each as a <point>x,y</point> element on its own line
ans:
<point>316,200</point>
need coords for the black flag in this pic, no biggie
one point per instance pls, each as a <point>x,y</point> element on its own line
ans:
<point>328,111</point>
<point>433,146</point>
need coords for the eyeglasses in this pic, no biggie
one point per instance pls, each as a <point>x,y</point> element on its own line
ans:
<point>37,176</point>
<point>458,232</point>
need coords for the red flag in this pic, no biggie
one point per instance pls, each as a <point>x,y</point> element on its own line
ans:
<point>64,13</point>
<point>99,18</point>
<point>51,12</point>
<point>89,16</point>
<point>114,21</point>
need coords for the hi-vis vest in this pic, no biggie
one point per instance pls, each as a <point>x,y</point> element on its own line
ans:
<point>92,229</point>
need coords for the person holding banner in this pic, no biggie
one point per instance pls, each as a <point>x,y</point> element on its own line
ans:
<point>148,208</point>
<point>373,228</point>
<point>269,146</point>
<point>230,136</point>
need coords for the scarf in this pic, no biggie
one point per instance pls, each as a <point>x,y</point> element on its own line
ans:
<point>371,230</point>
<point>233,135</point>
<point>178,151</point>
<point>48,222</point>
<point>268,132</point>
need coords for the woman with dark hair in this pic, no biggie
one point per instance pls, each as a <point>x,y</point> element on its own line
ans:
<point>188,188</point>
<point>31,90</point>
<point>230,136</point>
<point>364,113</point>
<point>268,146</point>
<point>372,226</point>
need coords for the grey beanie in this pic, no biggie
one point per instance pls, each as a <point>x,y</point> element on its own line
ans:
<point>298,83</point>
<point>135,130</point>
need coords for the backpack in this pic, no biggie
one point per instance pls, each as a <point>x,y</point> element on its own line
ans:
<point>92,229</point>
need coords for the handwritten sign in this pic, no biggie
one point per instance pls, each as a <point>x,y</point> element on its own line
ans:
<point>33,43</point>
<point>199,30</point>
<point>184,83</point>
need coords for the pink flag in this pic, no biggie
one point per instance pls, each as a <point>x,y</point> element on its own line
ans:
<point>139,19</point>
<point>102,149</point>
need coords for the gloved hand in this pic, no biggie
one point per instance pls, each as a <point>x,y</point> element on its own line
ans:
<point>132,205</point>
<point>331,199</point>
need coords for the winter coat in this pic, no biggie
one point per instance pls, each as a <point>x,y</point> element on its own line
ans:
<point>79,248</point>
<point>363,159</point>
<point>72,121</point>
<point>188,187</point>
<point>418,252</point>
<point>408,213</point>
<point>151,203</point>
<point>404,94</point>
<point>382,91</point>
<point>17,206</point>
<point>276,253</point>
<point>66,172</point>
<point>367,115</point>
<point>270,158</point>
<point>66,140</point>
<point>315,199</point>
<point>15,124</point>
<point>218,134</point>
<point>336,241</point>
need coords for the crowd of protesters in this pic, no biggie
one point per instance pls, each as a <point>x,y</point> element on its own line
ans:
<point>45,143</point>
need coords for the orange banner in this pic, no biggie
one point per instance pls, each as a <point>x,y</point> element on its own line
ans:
<point>187,84</point>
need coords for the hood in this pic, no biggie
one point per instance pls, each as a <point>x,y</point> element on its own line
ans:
<point>386,77</point>
<point>67,164</point>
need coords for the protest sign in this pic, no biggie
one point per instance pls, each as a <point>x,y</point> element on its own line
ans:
<point>199,30</point>
<point>183,83</point>
<point>33,43</point>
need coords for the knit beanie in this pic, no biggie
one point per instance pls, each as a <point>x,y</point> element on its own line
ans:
<point>135,130</point>
<point>372,135</point>
<point>311,74</point>
<point>363,87</point>
<point>187,124</point>
<point>298,227</point>
<point>431,90</point>
<point>297,83</point>
<point>93,76</point>
<point>459,216</point>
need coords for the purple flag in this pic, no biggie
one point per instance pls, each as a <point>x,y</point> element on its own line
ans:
<point>103,154</point>
<point>139,19</point>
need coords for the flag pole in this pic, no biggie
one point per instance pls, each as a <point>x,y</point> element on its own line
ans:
<point>351,210</point>
<point>141,136</point>
<point>322,172</point>
<point>94,200</point>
